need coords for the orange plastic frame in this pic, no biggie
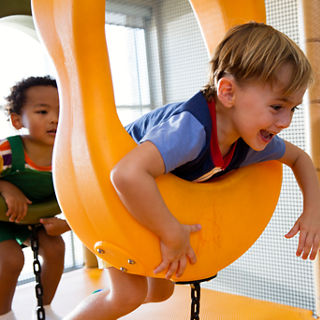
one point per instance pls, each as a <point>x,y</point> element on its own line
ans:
<point>233,212</point>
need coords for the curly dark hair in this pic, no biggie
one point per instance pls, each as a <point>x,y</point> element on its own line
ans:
<point>17,97</point>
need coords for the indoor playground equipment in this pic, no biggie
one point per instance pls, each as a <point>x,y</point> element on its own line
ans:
<point>92,140</point>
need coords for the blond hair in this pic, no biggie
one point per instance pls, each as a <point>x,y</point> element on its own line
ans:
<point>256,51</point>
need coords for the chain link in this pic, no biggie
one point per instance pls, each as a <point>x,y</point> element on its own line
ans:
<point>195,296</point>
<point>195,300</point>
<point>37,271</point>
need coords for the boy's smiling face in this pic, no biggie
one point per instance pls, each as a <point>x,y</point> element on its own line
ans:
<point>260,111</point>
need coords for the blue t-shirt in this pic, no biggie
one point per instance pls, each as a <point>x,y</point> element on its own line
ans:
<point>182,133</point>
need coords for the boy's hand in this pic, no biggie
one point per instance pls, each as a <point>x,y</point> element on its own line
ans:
<point>309,226</point>
<point>55,226</point>
<point>177,252</point>
<point>16,201</point>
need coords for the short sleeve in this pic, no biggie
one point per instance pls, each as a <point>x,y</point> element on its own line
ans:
<point>5,155</point>
<point>179,139</point>
<point>273,151</point>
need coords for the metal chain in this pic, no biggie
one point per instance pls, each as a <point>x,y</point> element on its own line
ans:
<point>195,300</point>
<point>37,271</point>
<point>195,296</point>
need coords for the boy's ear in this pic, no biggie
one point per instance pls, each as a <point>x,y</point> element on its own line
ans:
<point>226,91</point>
<point>16,120</point>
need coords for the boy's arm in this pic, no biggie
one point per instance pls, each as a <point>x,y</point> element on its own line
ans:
<point>134,180</point>
<point>308,224</point>
<point>16,201</point>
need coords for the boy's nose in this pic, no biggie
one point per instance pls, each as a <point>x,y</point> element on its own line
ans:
<point>54,117</point>
<point>284,120</point>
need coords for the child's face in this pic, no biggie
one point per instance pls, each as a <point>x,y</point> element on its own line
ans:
<point>261,111</point>
<point>40,113</point>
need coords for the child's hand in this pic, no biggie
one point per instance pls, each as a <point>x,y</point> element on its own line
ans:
<point>16,201</point>
<point>177,252</point>
<point>55,226</point>
<point>309,226</point>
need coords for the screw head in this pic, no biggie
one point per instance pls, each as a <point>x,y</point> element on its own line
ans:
<point>130,261</point>
<point>123,269</point>
<point>101,251</point>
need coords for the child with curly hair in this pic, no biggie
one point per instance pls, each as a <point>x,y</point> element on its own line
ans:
<point>25,178</point>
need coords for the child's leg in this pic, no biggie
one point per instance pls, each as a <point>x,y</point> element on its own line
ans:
<point>11,264</point>
<point>51,249</point>
<point>126,292</point>
<point>159,290</point>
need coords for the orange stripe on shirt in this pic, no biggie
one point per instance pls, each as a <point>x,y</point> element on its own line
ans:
<point>35,166</point>
<point>5,145</point>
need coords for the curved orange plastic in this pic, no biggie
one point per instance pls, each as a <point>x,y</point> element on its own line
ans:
<point>91,139</point>
<point>216,17</point>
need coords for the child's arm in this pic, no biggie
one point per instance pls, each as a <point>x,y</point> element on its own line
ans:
<point>134,180</point>
<point>16,201</point>
<point>309,222</point>
<point>55,226</point>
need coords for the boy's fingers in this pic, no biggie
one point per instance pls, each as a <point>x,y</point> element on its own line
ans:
<point>8,213</point>
<point>19,212</point>
<point>44,221</point>
<point>301,244</point>
<point>161,267</point>
<point>307,246</point>
<point>12,217</point>
<point>194,227</point>
<point>294,230</point>
<point>315,248</point>
<point>23,212</point>
<point>181,267</point>
<point>172,269</point>
<point>192,256</point>
<point>11,213</point>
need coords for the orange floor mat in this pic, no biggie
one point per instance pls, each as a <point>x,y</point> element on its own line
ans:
<point>217,306</point>
<point>214,305</point>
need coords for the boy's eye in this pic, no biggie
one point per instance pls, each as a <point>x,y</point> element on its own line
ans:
<point>276,107</point>
<point>295,109</point>
<point>42,111</point>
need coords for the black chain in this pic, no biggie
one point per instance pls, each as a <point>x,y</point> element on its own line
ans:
<point>37,271</point>
<point>195,300</point>
<point>195,296</point>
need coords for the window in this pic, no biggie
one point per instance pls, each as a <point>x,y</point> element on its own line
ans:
<point>125,35</point>
<point>128,62</point>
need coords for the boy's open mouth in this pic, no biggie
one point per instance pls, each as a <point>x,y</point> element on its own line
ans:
<point>53,131</point>
<point>266,135</point>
